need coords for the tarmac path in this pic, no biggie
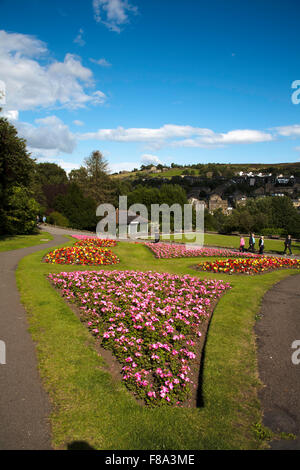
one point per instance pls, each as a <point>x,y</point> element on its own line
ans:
<point>276,331</point>
<point>24,406</point>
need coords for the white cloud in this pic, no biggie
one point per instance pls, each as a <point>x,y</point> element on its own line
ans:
<point>289,131</point>
<point>113,13</point>
<point>22,44</point>
<point>179,136</point>
<point>239,136</point>
<point>79,39</point>
<point>31,84</point>
<point>11,115</point>
<point>48,138</point>
<point>98,97</point>
<point>67,166</point>
<point>146,134</point>
<point>148,159</point>
<point>102,62</point>
<point>78,123</point>
<point>123,166</point>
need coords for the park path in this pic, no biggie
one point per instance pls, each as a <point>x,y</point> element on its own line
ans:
<point>24,405</point>
<point>276,330</point>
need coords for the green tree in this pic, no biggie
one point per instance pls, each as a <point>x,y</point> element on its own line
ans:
<point>22,209</point>
<point>93,179</point>
<point>50,173</point>
<point>16,171</point>
<point>78,209</point>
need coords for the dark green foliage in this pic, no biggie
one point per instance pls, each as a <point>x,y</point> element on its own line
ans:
<point>56,218</point>
<point>262,213</point>
<point>78,209</point>
<point>21,211</point>
<point>167,194</point>
<point>50,174</point>
<point>18,209</point>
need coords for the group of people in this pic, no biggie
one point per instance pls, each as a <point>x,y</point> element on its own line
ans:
<point>39,219</point>
<point>261,244</point>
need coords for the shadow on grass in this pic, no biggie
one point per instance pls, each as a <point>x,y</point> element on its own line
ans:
<point>79,445</point>
<point>7,237</point>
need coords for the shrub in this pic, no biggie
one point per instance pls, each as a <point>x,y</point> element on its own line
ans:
<point>279,232</point>
<point>56,218</point>
<point>22,209</point>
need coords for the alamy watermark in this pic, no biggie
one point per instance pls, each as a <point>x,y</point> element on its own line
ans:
<point>2,352</point>
<point>296,354</point>
<point>296,94</point>
<point>136,222</point>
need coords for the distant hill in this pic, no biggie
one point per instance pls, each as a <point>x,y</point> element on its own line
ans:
<point>210,170</point>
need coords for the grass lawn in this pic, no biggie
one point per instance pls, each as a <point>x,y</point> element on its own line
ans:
<point>15,242</point>
<point>232,241</point>
<point>90,406</point>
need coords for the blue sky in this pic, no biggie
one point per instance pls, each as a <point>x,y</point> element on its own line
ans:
<point>152,81</point>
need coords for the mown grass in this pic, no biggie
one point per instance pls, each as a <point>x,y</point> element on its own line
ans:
<point>90,406</point>
<point>232,241</point>
<point>15,242</point>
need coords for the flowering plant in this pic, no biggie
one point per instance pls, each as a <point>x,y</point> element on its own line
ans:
<point>165,250</point>
<point>88,254</point>
<point>150,321</point>
<point>96,242</point>
<point>249,266</point>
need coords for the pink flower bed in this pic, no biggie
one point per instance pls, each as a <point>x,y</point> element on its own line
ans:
<point>165,250</point>
<point>150,321</point>
<point>88,238</point>
<point>84,237</point>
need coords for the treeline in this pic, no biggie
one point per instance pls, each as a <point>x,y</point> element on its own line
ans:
<point>228,170</point>
<point>265,216</point>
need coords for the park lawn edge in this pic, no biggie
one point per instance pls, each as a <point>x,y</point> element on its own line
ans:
<point>89,405</point>
<point>16,242</point>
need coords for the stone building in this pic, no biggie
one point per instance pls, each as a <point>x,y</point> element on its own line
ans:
<point>216,202</point>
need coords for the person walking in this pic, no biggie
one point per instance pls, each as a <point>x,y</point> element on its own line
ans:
<point>251,242</point>
<point>261,245</point>
<point>287,244</point>
<point>242,245</point>
<point>156,235</point>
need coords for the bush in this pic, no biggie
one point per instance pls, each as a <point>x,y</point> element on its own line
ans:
<point>22,209</point>
<point>56,218</point>
<point>79,210</point>
<point>278,232</point>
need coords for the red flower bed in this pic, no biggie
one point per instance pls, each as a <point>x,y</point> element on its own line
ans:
<point>96,242</point>
<point>87,255</point>
<point>249,265</point>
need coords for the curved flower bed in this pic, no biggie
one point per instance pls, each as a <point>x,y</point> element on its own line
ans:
<point>249,265</point>
<point>150,321</point>
<point>165,250</point>
<point>86,254</point>
<point>96,242</point>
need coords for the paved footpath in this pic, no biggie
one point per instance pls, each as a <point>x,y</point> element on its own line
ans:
<point>277,329</point>
<point>24,406</point>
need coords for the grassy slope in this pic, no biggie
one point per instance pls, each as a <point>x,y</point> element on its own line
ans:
<point>89,406</point>
<point>16,242</point>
